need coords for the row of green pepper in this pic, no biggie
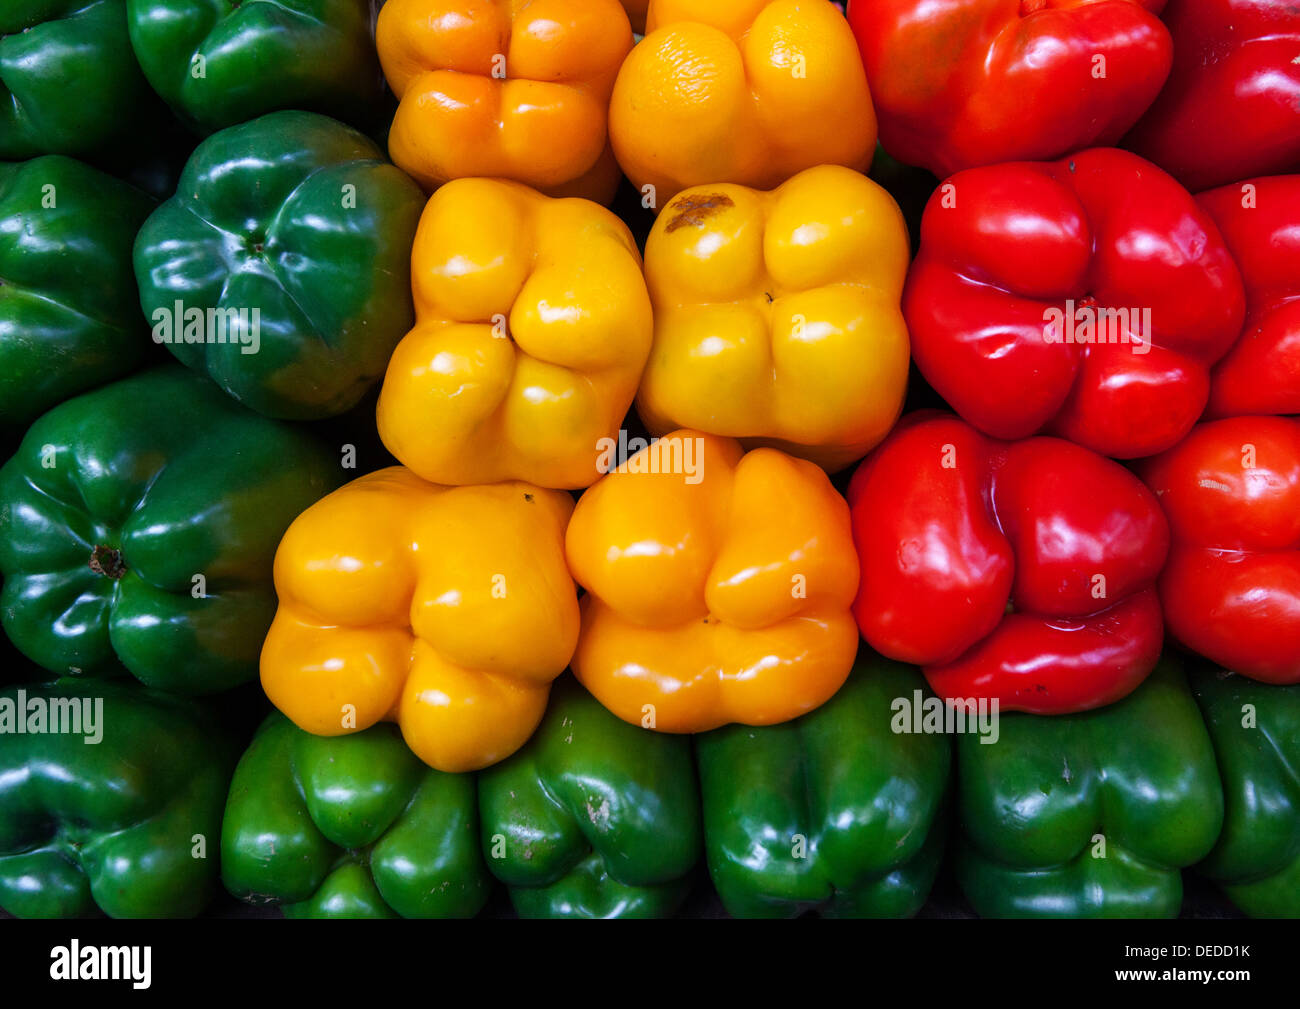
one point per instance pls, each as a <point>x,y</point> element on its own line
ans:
<point>843,811</point>
<point>77,76</point>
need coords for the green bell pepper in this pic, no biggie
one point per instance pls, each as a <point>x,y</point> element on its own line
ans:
<point>1256,732</point>
<point>1090,815</point>
<point>69,317</point>
<point>281,268</point>
<point>128,824</point>
<point>835,811</point>
<point>593,817</point>
<point>219,63</point>
<point>69,82</point>
<point>139,522</point>
<point>350,827</point>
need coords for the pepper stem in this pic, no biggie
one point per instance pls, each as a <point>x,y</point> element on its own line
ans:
<point>107,561</point>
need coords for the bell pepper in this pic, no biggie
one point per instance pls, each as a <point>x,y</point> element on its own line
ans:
<point>350,827</point>
<point>69,319</point>
<point>1260,221</point>
<point>718,586</point>
<point>219,63</point>
<point>1235,83</point>
<point>835,811</point>
<point>69,83</point>
<point>511,91</point>
<point>446,610</point>
<point>1231,589</point>
<point>118,812</point>
<point>1255,728</point>
<point>777,316</point>
<point>532,328</point>
<point>1089,815</point>
<point>280,266</point>
<point>138,524</point>
<point>975,82</point>
<point>1022,572</point>
<point>750,92</point>
<point>593,818</point>
<point>1088,298</point>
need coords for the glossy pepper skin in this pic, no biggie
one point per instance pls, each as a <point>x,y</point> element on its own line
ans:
<point>777,316</point>
<point>218,63</point>
<point>69,83</point>
<point>298,217</point>
<point>834,811</point>
<point>1231,589</point>
<point>532,329</point>
<point>514,91</point>
<point>1017,264</point>
<point>446,610</point>
<point>350,827</point>
<point>69,318</point>
<point>128,826</point>
<point>749,92</point>
<point>1234,79</point>
<point>1022,571</point>
<point>1260,221</point>
<point>138,524</point>
<point>593,818</point>
<point>718,586</point>
<point>1255,728</point>
<point>1089,815</point>
<point>976,82</point>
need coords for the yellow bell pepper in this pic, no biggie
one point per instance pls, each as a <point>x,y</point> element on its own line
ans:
<point>719,586</point>
<point>446,610</point>
<point>776,315</point>
<point>746,91</point>
<point>532,328</point>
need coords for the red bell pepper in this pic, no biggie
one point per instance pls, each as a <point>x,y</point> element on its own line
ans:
<point>1231,108</point>
<point>1086,297</point>
<point>1231,590</point>
<point>1260,220</point>
<point>961,83</point>
<point>1021,571</point>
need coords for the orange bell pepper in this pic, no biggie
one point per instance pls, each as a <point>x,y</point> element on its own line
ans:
<point>719,586</point>
<point>744,91</point>
<point>448,611</point>
<point>532,328</point>
<point>507,90</point>
<point>777,317</point>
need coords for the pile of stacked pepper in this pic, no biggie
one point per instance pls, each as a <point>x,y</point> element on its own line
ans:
<point>758,525</point>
